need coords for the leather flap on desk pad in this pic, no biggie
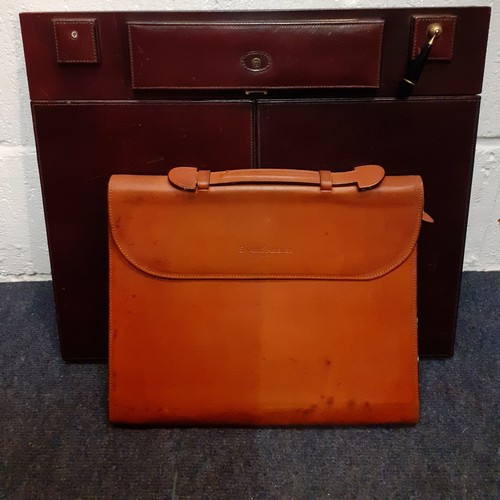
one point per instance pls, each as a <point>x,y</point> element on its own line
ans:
<point>266,230</point>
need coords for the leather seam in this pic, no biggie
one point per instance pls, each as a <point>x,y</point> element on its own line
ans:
<point>131,56</point>
<point>381,40</point>
<point>256,87</point>
<point>110,335</point>
<point>139,103</point>
<point>252,135</point>
<point>278,102</point>
<point>259,132</point>
<point>378,100</point>
<point>340,22</point>
<point>415,325</point>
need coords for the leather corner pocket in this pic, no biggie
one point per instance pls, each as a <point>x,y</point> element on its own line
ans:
<point>76,40</point>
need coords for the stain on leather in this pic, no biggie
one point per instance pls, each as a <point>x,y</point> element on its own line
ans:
<point>307,411</point>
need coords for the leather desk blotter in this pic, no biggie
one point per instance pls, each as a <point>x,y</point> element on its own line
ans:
<point>143,92</point>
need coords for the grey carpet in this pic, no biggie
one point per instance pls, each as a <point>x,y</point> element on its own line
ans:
<point>56,443</point>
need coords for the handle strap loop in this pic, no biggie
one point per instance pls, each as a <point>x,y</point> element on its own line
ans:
<point>192,179</point>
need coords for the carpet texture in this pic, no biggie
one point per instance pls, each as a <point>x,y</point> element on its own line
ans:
<point>56,442</point>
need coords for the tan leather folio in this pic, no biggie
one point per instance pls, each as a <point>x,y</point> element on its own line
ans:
<point>264,297</point>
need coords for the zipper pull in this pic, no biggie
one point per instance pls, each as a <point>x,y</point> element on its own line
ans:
<point>416,67</point>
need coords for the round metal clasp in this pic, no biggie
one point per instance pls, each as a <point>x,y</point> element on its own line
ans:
<point>256,61</point>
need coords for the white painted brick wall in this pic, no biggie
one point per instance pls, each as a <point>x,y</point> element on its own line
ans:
<point>23,245</point>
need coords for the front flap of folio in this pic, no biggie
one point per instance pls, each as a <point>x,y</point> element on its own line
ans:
<point>264,231</point>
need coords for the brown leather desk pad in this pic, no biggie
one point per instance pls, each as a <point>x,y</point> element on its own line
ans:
<point>99,109</point>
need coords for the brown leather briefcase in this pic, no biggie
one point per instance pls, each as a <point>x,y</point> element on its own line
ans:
<point>268,297</point>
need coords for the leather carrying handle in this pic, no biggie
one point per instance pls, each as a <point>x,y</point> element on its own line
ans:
<point>192,179</point>
<point>365,177</point>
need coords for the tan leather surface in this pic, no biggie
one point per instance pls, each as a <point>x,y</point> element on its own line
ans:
<point>263,304</point>
<point>263,231</point>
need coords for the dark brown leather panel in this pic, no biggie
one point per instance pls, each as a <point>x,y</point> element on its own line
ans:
<point>79,147</point>
<point>111,79</point>
<point>434,138</point>
<point>157,130</point>
<point>256,55</point>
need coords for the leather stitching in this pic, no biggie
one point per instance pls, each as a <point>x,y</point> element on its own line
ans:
<point>111,387</point>
<point>378,100</point>
<point>415,327</point>
<point>131,56</point>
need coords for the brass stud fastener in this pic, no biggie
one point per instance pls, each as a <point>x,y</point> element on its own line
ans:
<point>434,30</point>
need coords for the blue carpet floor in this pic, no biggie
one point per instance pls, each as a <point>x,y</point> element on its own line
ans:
<point>56,442</point>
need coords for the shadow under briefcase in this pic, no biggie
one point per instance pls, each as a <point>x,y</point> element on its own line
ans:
<point>264,297</point>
